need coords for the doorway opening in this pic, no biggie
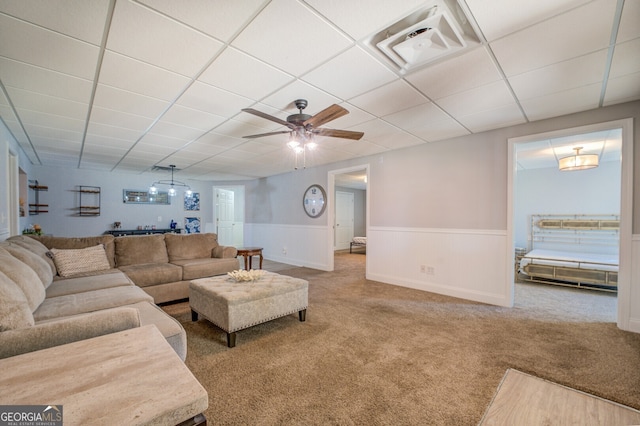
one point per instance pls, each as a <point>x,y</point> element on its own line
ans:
<point>348,210</point>
<point>542,196</point>
<point>228,215</point>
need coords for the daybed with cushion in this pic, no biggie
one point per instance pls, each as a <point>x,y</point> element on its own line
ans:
<point>37,312</point>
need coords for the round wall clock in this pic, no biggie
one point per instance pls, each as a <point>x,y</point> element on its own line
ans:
<point>314,201</point>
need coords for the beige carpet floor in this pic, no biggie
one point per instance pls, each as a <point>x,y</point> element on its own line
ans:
<point>376,354</point>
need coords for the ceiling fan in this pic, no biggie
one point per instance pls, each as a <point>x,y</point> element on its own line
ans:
<point>303,125</point>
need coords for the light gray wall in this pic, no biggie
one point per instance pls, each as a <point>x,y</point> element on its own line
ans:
<point>63,200</point>
<point>550,191</point>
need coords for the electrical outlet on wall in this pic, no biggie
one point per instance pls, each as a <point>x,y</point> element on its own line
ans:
<point>284,250</point>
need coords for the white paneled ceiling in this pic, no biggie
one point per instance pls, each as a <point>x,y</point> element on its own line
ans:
<point>125,85</point>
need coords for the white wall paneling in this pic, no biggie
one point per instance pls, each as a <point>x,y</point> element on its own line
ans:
<point>463,263</point>
<point>300,245</point>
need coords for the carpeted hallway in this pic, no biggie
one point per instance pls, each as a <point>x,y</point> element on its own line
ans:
<point>376,354</point>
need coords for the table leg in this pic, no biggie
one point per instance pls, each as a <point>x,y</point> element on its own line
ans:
<point>246,263</point>
<point>250,262</point>
<point>260,260</point>
<point>231,340</point>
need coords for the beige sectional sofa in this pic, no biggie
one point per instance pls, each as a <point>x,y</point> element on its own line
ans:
<point>56,290</point>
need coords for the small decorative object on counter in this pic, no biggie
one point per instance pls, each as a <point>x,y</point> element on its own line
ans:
<point>173,224</point>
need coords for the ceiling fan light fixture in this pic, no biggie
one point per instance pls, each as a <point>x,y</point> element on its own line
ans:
<point>578,161</point>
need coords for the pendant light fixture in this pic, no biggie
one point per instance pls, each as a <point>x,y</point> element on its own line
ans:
<point>153,189</point>
<point>578,161</point>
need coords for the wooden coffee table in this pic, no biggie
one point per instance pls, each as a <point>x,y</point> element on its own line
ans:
<point>133,377</point>
<point>248,253</point>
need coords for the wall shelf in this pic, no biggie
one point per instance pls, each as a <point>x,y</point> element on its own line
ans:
<point>89,200</point>
<point>37,207</point>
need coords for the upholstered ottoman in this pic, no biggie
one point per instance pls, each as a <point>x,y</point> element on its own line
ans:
<point>234,306</point>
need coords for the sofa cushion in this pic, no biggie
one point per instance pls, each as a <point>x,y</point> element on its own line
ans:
<point>168,326</point>
<point>89,301</point>
<point>71,262</point>
<point>25,277</point>
<point>193,246</point>
<point>201,268</point>
<point>137,249</point>
<point>35,262</point>
<point>113,278</point>
<point>14,308</point>
<point>35,246</point>
<point>65,243</point>
<point>148,274</point>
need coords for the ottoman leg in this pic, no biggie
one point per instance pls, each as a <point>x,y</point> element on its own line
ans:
<point>302,315</point>
<point>194,315</point>
<point>231,340</point>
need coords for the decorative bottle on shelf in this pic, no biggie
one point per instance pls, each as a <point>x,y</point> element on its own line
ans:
<point>172,225</point>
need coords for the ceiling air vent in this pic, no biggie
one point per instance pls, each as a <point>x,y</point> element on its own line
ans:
<point>436,30</point>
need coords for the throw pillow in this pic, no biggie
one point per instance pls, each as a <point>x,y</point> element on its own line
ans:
<point>72,262</point>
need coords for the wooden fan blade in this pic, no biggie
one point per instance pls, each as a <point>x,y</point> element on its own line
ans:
<point>266,134</point>
<point>326,115</point>
<point>345,134</point>
<point>268,117</point>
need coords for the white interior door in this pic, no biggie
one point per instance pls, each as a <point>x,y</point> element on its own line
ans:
<point>224,216</point>
<point>344,219</point>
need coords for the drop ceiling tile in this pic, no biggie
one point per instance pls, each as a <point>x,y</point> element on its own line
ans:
<point>393,97</point>
<point>472,69</point>
<point>498,18</point>
<point>36,79</point>
<point>359,72</point>
<point>273,37</point>
<point>158,140</point>
<point>581,71</point>
<point>508,115</point>
<point>34,45</point>
<point>151,37</point>
<point>626,59</point>
<point>48,104</point>
<point>356,116</point>
<point>629,21</point>
<point>201,150</point>
<point>111,117</point>
<point>238,129</point>
<point>622,89</point>
<point>36,131</point>
<point>487,97</point>
<point>370,17</point>
<point>283,99</point>
<point>556,39</point>
<point>176,131</point>
<point>216,140</point>
<point>50,120</point>
<point>190,117</point>
<point>80,19</point>
<point>103,130</point>
<point>239,73</point>
<point>428,122</point>
<point>561,103</point>
<point>138,77</point>
<point>386,135</point>
<point>212,100</point>
<point>99,142</point>
<point>128,102</point>
<point>218,18</point>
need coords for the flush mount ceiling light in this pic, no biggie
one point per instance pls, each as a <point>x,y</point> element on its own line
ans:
<point>578,161</point>
<point>153,189</point>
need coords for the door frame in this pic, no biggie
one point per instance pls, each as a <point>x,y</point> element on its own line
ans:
<point>626,208</point>
<point>331,199</point>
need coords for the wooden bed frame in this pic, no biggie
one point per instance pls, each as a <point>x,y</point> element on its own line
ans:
<point>566,232</point>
